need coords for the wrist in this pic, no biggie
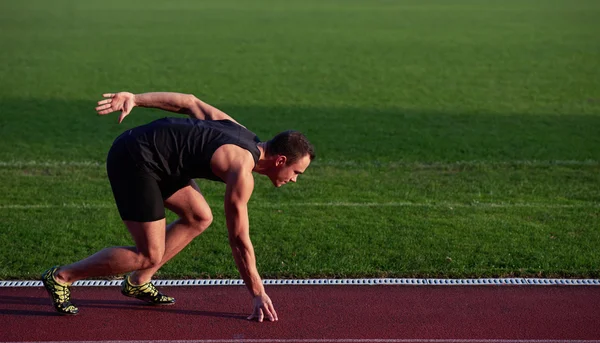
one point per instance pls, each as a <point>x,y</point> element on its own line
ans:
<point>257,289</point>
<point>135,98</point>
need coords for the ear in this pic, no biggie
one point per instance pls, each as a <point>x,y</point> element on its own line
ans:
<point>280,161</point>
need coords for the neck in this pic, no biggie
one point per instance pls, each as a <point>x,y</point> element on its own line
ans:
<point>261,165</point>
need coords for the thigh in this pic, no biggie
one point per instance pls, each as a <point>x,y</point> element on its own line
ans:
<point>189,204</point>
<point>149,237</point>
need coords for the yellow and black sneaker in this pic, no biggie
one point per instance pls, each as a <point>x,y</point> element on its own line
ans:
<point>146,292</point>
<point>60,293</point>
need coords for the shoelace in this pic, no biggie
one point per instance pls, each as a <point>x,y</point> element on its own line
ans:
<point>148,288</point>
<point>63,292</point>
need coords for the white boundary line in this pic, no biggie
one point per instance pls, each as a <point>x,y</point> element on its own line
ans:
<point>442,204</point>
<point>50,164</point>
<point>427,204</point>
<point>332,163</point>
<point>336,282</point>
<point>341,340</point>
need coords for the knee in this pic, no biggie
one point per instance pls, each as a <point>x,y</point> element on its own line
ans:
<point>199,223</point>
<point>150,260</point>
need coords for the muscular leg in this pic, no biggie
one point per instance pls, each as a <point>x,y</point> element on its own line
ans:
<point>149,239</point>
<point>194,217</point>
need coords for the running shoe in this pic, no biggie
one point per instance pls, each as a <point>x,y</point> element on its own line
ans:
<point>60,293</point>
<point>146,292</point>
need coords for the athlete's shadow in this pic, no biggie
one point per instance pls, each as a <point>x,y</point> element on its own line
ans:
<point>136,305</point>
<point>83,304</point>
<point>27,302</point>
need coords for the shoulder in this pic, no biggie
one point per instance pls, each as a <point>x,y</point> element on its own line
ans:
<point>231,159</point>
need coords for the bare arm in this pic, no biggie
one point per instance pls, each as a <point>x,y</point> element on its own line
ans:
<point>239,189</point>
<point>168,101</point>
<point>180,103</point>
<point>240,184</point>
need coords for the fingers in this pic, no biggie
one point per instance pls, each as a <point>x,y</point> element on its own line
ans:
<point>269,310</point>
<point>273,312</point>
<point>108,95</point>
<point>257,314</point>
<point>122,116</point>
<point>104,106</point>
<point>110,110</point>
<point>263,307</point>
<point>105,109</point>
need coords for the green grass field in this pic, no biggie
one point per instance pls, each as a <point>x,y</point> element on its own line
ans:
<point>454,138</point>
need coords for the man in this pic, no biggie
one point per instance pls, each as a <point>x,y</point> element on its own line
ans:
<point>152,166</point>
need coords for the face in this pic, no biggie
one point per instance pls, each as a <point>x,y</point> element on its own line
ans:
<point>283,173</point>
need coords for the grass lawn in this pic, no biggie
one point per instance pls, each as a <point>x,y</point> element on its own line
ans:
<point>454,139</point>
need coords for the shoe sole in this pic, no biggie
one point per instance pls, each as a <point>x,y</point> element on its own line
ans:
<point>148,302</point>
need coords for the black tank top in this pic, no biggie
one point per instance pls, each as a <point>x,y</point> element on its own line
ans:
<point>183,147</point>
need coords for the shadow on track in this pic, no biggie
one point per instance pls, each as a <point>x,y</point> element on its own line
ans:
<point>84,304</point>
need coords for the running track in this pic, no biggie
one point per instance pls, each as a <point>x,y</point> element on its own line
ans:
<point>336,314</point>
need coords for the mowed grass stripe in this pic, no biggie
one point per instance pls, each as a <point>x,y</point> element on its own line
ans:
<point>390,93</point>
<point>452,184</point>
<point>467,221</point>
<point>329,204</point>
<point>387,80</point>
<point>337,242</point>
<point>333,163</point>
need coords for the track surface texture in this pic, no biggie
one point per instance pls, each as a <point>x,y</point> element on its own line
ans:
<point>419,313</point>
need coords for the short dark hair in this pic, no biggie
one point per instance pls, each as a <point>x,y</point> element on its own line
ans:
<point>291,144</point>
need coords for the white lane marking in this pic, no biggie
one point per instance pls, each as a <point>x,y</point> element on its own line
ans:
<point>51,164</point>
<point>469,163</point>
<point>341,340</point>
<point>44,206</point>
<point>334,282</point>
<point>448,205</point>
<point>427,204</point>
<point>333,163</point>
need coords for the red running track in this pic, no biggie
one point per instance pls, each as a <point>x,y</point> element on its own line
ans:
<point>417,313</point>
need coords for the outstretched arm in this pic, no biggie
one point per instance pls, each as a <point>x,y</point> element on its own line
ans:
<point>172,102</point>
<point>239,188</point>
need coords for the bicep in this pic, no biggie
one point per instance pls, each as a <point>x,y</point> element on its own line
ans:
<point>238,191</point>
<point>239,187</point>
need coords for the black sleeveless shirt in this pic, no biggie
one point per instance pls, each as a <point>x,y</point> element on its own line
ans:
<point>171,148</point>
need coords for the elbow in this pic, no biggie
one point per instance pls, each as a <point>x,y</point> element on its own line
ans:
<point>191,101</point>
<point>194,107</point>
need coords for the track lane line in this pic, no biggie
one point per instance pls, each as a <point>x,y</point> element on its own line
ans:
<point>332,282</point>
<point>336,341</point>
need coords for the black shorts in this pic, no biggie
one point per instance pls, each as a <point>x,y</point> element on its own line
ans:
<point>139,195</point>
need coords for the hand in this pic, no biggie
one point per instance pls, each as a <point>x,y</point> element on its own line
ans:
<point>122,101</point>
<point>263,306</point>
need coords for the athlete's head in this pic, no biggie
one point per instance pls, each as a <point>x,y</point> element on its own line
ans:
<point>291,153</point>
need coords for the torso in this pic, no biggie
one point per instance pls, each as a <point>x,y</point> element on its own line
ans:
<point>189,148</point>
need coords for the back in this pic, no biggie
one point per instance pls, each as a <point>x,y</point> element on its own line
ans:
<point>183,147</point>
